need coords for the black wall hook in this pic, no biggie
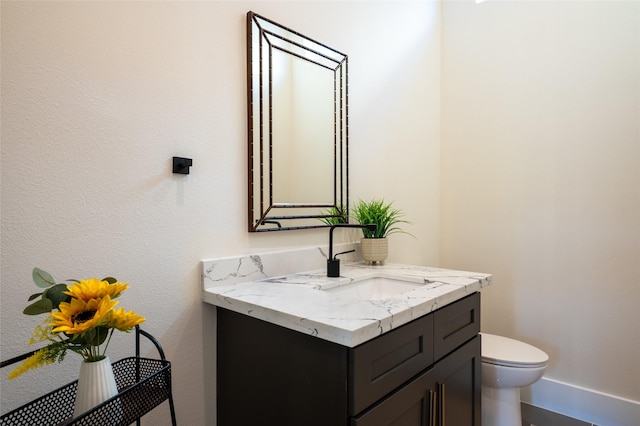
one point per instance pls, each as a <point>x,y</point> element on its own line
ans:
<point>181,165</point>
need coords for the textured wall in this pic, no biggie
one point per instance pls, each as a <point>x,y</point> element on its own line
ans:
<point>96,99</point>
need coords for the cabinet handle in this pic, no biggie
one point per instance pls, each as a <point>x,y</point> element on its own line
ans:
<point>432,407</point>
<point>441,391</point>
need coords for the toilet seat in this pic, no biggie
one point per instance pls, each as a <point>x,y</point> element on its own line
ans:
<point>500,350</point>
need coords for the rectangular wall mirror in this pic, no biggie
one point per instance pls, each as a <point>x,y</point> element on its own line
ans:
<point>297,92</point>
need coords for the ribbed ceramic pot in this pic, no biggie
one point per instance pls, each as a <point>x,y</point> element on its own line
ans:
<point>96,384</point>
<point>374,250</point>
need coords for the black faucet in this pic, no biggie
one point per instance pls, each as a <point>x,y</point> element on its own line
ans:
<point>333,263</point>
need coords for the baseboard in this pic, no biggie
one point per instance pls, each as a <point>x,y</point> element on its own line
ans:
<point>584,404</point>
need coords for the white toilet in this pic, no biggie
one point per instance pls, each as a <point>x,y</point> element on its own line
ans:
<point>507,365</point>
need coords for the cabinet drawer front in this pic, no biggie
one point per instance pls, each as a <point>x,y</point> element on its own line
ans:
<point>381,365</point>
<point>455,324</point>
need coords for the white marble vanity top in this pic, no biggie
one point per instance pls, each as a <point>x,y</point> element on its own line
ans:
<point>299,301</point>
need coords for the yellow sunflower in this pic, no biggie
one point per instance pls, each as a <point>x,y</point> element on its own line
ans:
<point>124,321</point>
<point>80,316</point>
<point>95,289</point>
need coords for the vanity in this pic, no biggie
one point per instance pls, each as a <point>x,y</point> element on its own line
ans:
<point>379,345</point>
<point>371,346</point>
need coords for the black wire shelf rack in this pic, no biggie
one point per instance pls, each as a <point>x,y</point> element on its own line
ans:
<point>143,384</point>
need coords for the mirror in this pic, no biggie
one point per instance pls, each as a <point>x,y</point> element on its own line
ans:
<point>297,129</point>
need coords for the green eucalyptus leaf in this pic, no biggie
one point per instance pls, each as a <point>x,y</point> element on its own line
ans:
<point>78,339</point>
<point>94,337</point>
<point>99,336</point>
<point>42,278</point>
<point>42,306</point>
<point>56,295</point>
<point>110,280</point>
<point>74,281</point>
<point>86,338</point>
<point>33,296</point>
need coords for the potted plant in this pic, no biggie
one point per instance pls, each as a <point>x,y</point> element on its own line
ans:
<point>374,244</point>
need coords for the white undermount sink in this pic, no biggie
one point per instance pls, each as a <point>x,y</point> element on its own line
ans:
<point>377,287</point>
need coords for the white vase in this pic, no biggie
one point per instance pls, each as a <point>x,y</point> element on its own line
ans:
<point>96,384</point>
<point>374,250</point>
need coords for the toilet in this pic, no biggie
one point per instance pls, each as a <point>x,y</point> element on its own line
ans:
<point>507,365</point>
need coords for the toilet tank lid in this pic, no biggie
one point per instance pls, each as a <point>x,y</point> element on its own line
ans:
<point>505,351</point>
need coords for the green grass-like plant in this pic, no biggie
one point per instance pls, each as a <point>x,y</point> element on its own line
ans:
<point>380,213</point>
<point>334,215</point>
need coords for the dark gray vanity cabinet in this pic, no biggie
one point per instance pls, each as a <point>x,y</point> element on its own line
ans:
<point>425,373</point>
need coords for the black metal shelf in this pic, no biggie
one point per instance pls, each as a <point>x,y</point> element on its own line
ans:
<point>143,384</point>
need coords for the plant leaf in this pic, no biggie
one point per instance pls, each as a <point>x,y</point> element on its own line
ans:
<point>55,295</point>
<point>42,306</point>
<point>110,280</point>
<point>380,213</point>
<point>33,296</point>
<point>42,278</point>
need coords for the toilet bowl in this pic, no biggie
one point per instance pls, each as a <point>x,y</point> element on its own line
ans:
<point>507,365</point>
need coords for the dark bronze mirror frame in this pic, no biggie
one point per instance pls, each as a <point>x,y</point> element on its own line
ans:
<point>267,212</point>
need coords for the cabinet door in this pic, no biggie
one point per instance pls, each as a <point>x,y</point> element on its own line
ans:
<point>270,375</point>
<point>412,405</point>
<point>446,395</point>
<point>458,386</point>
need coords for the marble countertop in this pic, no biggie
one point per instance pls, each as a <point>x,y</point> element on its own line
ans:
<point>299,301</point>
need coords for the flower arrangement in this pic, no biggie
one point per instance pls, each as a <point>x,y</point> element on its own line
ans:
<point>82,318</point>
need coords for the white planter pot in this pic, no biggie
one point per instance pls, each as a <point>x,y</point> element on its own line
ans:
<point>96,384</point>
<point>374,250</point>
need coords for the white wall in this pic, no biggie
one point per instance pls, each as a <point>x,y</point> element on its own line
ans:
<point>96,99</point>
<point>541,179</point>
<point>540,164</point>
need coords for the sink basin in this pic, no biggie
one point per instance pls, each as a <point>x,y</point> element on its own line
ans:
<point>378,287</point>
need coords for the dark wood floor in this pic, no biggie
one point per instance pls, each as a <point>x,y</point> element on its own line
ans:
<point>535,416</point>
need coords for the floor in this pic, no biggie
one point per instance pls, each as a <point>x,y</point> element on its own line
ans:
<point>535,416</point>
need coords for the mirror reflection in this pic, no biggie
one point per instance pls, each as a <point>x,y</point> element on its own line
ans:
<point>298,139</point>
